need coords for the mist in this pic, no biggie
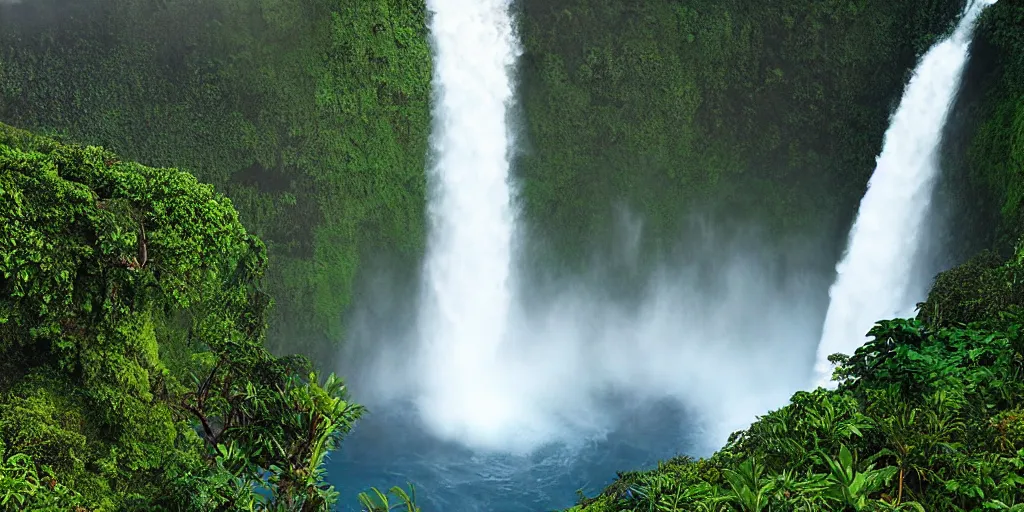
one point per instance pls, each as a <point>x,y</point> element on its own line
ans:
<point>725,327</point>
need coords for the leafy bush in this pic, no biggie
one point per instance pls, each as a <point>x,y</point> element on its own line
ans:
<point>131,346</point>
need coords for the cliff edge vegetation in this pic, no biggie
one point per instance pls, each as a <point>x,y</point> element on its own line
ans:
<point>132,369</point>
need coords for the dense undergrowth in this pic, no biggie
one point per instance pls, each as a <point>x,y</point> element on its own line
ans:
<point>312,116</point>
<point>132,369</point>
<point>929,415</point>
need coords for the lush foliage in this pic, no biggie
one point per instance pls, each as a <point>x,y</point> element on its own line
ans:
<point>132,369</point>
<point>769,109</point>
<point>929,415</point>
<point>312,116</point>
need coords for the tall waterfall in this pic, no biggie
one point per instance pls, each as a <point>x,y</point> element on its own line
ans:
<point>467,294</point>
<point>874,276</point>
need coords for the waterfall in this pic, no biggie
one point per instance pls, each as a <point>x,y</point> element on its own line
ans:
<point>467,298</point>
<point>495,376</point>
<point>874,276</point>
<point>490,374</point>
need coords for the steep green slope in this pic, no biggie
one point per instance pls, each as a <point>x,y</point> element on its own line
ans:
<point>773,110</point>
<point>928,416</point>
<point>985,144</point>
<point>132,367</point>
<point>311,115</point>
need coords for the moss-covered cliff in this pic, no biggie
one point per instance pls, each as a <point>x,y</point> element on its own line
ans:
<point>770,109</point>
<point>312,116</point>
<point>984,144</point>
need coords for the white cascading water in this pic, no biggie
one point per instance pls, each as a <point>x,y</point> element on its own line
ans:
<point>494,376</point>
<point>491,375</point>
<point>874,275</point>
<point>468,296</point>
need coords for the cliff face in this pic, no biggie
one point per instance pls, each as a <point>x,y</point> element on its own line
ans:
<point>773,109</point>
<point>984,142</point>
<point>312,116</point>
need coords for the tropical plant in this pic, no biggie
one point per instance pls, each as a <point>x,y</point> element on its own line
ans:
<point>376,501</point>
<point>132,369</point>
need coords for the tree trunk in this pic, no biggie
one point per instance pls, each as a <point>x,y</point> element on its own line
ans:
<point>899,493</point>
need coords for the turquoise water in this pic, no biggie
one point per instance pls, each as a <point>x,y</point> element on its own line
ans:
<point>389,449</point>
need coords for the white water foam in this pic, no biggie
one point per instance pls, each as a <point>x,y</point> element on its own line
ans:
<point>499,367</point>
<point>465,310</point>
<point>723,332</point>
<point>874,278</point>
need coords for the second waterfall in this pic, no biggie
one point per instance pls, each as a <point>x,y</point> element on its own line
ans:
<point>874,278</point>
<point>466,277</point>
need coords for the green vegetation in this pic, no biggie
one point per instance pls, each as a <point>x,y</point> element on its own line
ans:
<point>134,306</point>
<point>928,416</point>
<point>132,369</point>
<point>988,149</point>
<point>773,109</point>
<point>377,501</point>
<point>312,116</point>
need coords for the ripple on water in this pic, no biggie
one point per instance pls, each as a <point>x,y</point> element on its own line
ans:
<point>389,448</point>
